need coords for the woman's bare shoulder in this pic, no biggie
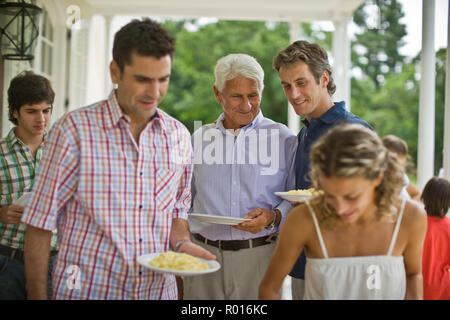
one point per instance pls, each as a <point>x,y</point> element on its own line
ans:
<point>300,217</point>
<point>414,215</point>
<point>296,229</point>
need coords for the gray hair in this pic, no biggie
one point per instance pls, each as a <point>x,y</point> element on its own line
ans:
<point>238,64</point>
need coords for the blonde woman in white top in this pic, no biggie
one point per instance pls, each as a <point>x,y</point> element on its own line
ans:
<point>362,240</point>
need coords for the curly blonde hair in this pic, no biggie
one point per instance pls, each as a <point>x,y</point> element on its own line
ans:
<point>351,150</point>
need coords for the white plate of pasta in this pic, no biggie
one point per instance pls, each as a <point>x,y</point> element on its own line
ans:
<point>179,264</point>
<point>300,195</point>
<point>293,197</point>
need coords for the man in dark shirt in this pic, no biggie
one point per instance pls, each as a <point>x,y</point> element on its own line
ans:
<point>305,75</point>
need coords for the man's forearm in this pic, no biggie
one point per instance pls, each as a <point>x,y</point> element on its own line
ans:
<point>37,251</point>
<point>180,231</point>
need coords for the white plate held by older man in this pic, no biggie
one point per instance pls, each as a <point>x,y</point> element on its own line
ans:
<point>209,218</point>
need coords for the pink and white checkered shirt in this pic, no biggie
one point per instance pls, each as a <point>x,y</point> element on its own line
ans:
<point>112,200</point>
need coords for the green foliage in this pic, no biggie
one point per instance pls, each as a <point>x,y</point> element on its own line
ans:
<point>314,33</point>
<point>393,109</point>
<point>387,93</point>
<point>375,50</point>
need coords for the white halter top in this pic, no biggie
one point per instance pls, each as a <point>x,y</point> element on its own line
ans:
<point>363,277</point>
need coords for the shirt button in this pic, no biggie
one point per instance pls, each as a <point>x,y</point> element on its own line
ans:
<point>234,203</point>
<point>140,173</point>
<point>140,240</point>
<point>140,273</point>
<point>140,206</point>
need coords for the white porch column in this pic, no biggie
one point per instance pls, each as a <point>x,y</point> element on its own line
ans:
<point>342,61</point>
<point>446,160</point>
<point>78,79</point>
<point>293,119</point>
<point>60,73</point>
<point>108,54</point>
<point>425,152</point>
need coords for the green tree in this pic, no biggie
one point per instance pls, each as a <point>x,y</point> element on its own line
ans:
<point>375,50</point>
<point>393,109</point>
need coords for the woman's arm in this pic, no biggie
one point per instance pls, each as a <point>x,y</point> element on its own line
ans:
<point>413,192</point>
<point>291,242</point>
<point>416,228</point>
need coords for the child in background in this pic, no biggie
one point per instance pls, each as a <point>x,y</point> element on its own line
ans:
<point>436,248</point>
<point>400,149</point>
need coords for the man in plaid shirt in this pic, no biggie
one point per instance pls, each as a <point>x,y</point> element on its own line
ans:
<point>30,99</point>
<point>115,181</point>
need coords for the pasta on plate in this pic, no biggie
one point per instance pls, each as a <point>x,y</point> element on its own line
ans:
<point>178,261</point>
<point>306,192</point>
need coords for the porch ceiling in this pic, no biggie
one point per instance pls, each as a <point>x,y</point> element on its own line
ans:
<point>271,10</point>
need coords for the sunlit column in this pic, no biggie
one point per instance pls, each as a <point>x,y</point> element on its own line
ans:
<point>108,56</point>
<point>342,62</point>
<point>295,33</point>
<point>425,152</point>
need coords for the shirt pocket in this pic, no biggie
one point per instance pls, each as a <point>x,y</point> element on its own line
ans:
<point>166,187</point>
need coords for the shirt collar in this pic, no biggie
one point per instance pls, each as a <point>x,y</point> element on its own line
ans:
<point>335,112</point>
<point>13,139</point>
<point>116,113</point>
<point>254,124</point>
<point>330,116</point>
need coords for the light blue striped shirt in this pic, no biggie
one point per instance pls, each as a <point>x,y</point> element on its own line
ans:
<point>234,174</point>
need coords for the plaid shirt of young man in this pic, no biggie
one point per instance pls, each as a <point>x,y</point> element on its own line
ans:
<point>17,172</point>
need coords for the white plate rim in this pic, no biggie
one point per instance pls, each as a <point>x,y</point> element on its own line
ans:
<point>294,197</point>
<point>144,260</point>
<point>209,218</point>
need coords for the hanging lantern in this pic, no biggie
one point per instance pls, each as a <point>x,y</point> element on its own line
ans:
<point>19,29</point>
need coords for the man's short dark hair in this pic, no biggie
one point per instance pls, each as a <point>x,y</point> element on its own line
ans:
<point>312,54</point>
<point>144,37</point>
<point>28,88</point>
<point>436,197</point>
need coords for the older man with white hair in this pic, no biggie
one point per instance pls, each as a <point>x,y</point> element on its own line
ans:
<point>240,160</point>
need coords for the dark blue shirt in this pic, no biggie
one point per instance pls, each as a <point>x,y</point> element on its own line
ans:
<point>310,132</point>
